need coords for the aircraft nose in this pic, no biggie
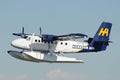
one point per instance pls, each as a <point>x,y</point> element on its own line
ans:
<point>21,43</point>
<point>15,43</point>
<point>18,43</point>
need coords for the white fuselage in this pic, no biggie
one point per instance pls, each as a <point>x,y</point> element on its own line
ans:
<point>35,43</point>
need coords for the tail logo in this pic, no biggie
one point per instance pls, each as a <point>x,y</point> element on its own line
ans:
<point>103,32</point>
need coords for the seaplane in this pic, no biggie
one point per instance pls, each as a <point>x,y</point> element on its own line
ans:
<point>50,48</point>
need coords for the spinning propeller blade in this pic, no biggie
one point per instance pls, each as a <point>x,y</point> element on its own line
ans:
<point>22,30</point>
<point>40,32</point>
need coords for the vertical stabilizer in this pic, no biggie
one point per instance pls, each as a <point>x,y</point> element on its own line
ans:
<point>101,38</point>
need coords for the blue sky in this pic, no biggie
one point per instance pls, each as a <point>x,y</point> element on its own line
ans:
<point>60,17</point>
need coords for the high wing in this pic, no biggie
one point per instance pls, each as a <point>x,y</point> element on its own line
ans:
<point>50,38</point>
<point>71,36</point>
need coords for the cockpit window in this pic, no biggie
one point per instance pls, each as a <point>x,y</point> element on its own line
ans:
<point>28,38</point>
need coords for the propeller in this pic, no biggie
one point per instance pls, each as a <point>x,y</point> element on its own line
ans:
<point>22,34</point>
<point>40,31</point>
<point>22,30</point>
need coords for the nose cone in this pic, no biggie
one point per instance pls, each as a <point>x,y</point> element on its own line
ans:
<point>15,43</point>
<point>19,43</point>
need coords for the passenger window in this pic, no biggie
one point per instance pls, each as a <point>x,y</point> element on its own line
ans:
<point>38,40</point>
<point>51,42</point>
<point>65,43</point>
<point>35,40</point>
<point>55,42</point>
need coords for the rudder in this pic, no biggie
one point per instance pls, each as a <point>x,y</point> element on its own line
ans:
<point>101,38</point>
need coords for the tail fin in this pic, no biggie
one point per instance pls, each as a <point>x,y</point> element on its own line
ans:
<point>101,38</point>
